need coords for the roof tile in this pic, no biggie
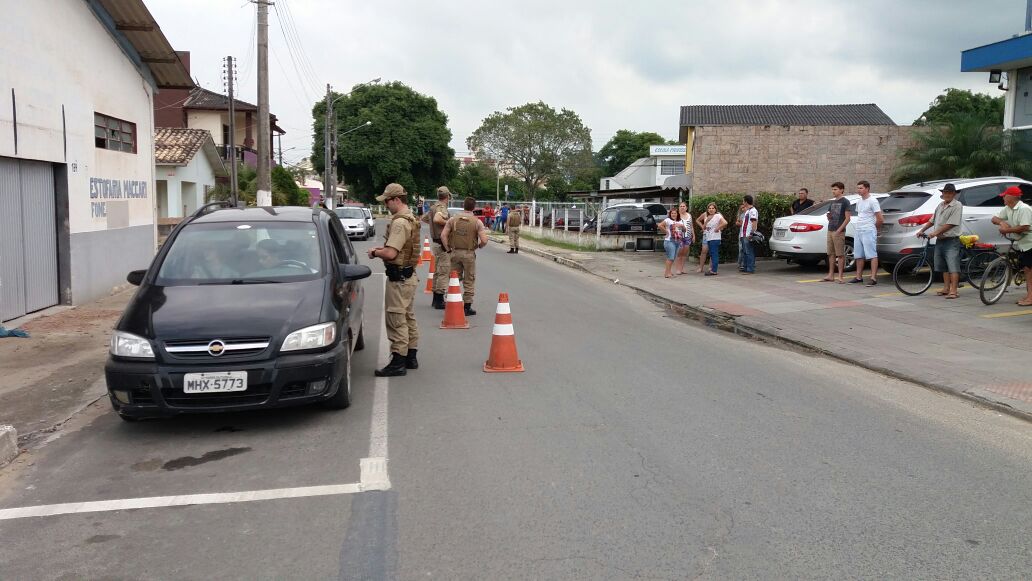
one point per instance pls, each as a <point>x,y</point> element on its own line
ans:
<point>701,115</point>
<point>177,146</point>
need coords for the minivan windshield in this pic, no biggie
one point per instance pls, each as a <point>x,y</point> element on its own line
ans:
<point>350,213</point>
<point>242,253</point>
<point>900,202</point>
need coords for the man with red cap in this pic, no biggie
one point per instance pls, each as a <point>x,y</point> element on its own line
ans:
<point>1015,222</point>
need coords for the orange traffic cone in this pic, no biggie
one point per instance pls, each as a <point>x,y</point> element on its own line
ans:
<point>427,254</point>
<point>429,290</point>
<point>503,357</point>
<point>433,263</point>
<point>454,309</point>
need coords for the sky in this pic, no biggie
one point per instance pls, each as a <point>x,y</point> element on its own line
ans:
<point>617,64</point>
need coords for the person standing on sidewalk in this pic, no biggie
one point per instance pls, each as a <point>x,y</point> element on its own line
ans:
<point>400,254</point>
<point>437,217</point>
<point>462,236</point>
<point>673,231</point>
<point>514,221</point>
<point>686,241</point>
<point>503,218</point>
<point>946,223</point>
<point>748,220</point>
<point>869,220</point>
<point>838,218</point>
<point>712,223</point>
<point>802,201</point>
<point>1015,222</point>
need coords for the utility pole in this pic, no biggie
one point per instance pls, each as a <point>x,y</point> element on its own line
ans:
<point>231,146</point>
<point>279,143</point>
<point>264,132</point>
<point>328,190</point>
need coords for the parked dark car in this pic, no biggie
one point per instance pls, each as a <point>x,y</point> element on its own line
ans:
<point>624,220</point>
<point>242,308</point>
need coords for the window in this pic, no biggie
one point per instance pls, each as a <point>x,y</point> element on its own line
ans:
<point>901,202</point>
<point>350,213</point>
<point>114,134</point>
<point>671,167</point>
<point>636,217</point>
<point>1026,192</point>
<point>982,196</point>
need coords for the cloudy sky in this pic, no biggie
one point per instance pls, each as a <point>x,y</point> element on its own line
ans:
<point>619,64</point>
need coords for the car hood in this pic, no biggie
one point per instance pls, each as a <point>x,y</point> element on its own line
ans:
<point>223,311</point>
<point>353,221</point>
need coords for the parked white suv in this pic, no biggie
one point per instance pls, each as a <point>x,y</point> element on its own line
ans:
<point>909,207</point>
<point>803,237</point>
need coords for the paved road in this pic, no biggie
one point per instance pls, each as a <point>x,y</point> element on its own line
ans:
<point>635,446</point>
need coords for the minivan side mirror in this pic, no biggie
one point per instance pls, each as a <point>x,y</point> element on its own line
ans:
<point>136,277</point>
<point>349,272</point>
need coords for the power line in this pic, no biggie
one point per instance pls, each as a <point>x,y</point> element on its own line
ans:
<point>303,54</point>
<point>301,74</point>
<point>249,59</point>
<point>290,84</point>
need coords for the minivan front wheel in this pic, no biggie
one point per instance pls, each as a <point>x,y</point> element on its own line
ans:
<point>342,398</point>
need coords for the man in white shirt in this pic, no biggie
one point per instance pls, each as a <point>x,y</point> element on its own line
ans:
<point>747,220</point>
<point>865,238</point>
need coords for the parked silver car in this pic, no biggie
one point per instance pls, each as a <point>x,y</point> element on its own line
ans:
<point>909,207</point>
<point>353,219</point>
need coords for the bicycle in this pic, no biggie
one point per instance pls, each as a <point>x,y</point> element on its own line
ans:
<point>1002,272</point>
<point>914,274</point>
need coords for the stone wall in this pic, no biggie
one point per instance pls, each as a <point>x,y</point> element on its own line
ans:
<point>778,158</point>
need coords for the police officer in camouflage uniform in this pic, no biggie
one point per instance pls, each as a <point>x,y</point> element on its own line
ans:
<point>512,225</point>
<point>400,255</point>
<point>462,235</point>
<point>437,217</point>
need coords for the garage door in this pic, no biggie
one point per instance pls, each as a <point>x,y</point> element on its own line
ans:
<point>28,238</point>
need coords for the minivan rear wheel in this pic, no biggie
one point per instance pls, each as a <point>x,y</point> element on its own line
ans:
<point>342,398</point>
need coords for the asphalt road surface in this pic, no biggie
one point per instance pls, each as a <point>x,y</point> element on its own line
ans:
<point>635,445</point>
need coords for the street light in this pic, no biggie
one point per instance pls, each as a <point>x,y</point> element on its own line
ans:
<point>330,178</point>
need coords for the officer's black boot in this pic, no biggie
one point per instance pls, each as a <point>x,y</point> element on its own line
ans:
<point>410,361</point>
<point>517,250</point>
<point>511,251</point>
<point>468,307</point>
<point>394,368</point>
<point>439,301</point>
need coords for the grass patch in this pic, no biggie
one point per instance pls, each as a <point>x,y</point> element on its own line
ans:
<point>558,244</point>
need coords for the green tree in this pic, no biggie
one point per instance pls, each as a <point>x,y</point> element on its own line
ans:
<point>963,103</point>
<point>625,148</point>
<point>965,146</point>
<point>537,142</point>
<point>477,180</point>
<point>285,192</point>
<point>407,142</point>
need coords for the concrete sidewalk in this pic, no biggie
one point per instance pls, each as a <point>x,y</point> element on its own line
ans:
<point>957,346</point>
<point>48,377</point>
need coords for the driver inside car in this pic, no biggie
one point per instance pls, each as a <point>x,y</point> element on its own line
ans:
<point>268,254</point>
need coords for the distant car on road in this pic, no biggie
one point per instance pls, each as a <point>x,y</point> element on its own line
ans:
<point>370,220</point>
<point>354,221</point>
<point>802,238</point>
<point>910,207</point>
<point>242,308</point>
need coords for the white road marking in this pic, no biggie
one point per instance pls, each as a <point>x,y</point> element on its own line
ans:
<point>184,500</point>
<point>374,468</point>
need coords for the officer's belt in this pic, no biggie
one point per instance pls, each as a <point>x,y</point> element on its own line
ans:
<point>397,273</point>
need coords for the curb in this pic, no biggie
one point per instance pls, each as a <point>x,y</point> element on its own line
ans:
<point>553,257</point>
<point>732,324</point>
<point>8,445</point>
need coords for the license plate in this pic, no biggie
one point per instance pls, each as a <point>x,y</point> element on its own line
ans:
<point>781,233</point>
<point>215,382</point>
<point>636,228</point>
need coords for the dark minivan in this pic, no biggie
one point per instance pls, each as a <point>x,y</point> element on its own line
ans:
<point>625,220</point>
<point>242,308</point>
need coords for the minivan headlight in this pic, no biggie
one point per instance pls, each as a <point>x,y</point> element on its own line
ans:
<point>314,337</point>
<point>129,345</point>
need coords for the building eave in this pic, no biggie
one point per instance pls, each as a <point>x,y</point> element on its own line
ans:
<point>1005,55</point>
<point>136,32</point>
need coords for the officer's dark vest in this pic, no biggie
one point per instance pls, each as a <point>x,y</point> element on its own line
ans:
<point>464,232</point>
<point>409,253</point>
<point>435,228</point>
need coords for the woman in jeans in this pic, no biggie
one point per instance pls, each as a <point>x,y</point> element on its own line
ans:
<point>712,223</point>
<point>673,230</point>
<point>686,241</point>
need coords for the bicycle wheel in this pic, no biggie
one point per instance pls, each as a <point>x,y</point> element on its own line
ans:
<point>994,281</point>
<point>976,266</point>
<point>913,275</point>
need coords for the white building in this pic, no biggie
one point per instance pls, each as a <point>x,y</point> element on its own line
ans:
<point>663,162</point>
<point>77,82</point>
<point>188,164</point>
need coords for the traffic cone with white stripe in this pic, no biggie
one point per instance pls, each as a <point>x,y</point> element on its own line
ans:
<point>429,290</point>
<point>454,309</point>
<point>503,357</point>
<point>427,254</point>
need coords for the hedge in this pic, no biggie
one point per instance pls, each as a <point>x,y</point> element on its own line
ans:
<point>771,206</point>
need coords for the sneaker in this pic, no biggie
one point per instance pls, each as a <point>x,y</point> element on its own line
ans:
<point>871,282</point>
<point>856,281</point>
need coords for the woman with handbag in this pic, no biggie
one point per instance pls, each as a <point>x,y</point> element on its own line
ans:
<point>686,241</point>
<point>673,230</point>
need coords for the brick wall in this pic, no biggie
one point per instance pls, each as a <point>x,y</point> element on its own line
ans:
<point>777,158</point>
